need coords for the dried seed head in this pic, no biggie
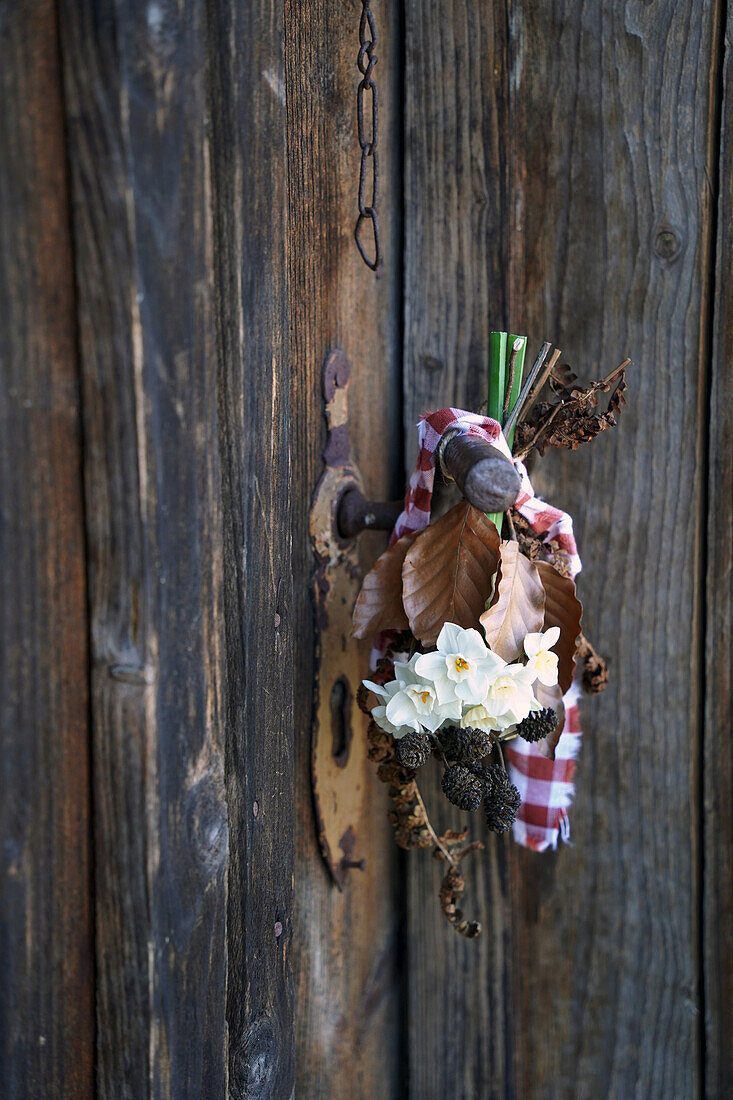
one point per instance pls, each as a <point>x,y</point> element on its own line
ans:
<point>462,787</point>
<point>465,745</point>
<point>538,724</point>
<point>362,699</point>
<point>595,670</point>
<point>413,750</point>
<point>502,799</point>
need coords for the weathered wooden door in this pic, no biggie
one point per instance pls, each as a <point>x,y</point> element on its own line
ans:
<point>177,201</point>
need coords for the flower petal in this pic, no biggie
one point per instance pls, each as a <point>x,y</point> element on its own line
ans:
<point>450,710</point>
<point>445,690</point>
<point>473,689</point>
<point>432,721</point>
<point>378,689</point>
<point>401,712</point>
<point>473,645</point>
<point>449,639</point>
<point>431,666</point>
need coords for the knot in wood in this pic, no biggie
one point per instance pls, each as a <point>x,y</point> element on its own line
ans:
<point>254,1065</point>
<point>667,244</point>
<point>206,821</point>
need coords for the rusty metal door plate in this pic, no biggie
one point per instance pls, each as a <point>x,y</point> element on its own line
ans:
<point>338,751</point>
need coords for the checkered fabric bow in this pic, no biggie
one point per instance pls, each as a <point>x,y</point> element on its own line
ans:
<point>546,786</point>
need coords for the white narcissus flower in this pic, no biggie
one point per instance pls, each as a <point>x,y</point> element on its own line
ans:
<point>412,703</point>
<point>510,696</point>
<point>542,662</point>
<point>480,718</point>
<point>379,713</point>
<point>463,667</point>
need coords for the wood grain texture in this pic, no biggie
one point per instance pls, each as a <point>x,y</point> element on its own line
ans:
<point>587,981</point>
<point>717,597</point>
<point>459,992</point>
<point>136,101</point>
<point>46,935</point>
<point>347,945</point>
<point>248,115</point>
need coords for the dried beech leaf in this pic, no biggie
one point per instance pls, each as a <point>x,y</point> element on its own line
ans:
<point>551,697</point>
<point>519,605</point>
<point>563,609</point>
<point>448,572</point>
<point>379,604</point>
<point>563,381</point>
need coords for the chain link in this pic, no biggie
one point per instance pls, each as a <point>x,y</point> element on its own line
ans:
<point>367,118</point>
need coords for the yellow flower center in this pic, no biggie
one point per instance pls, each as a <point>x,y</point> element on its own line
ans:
<point>462,665</point>
<point>425,695</point>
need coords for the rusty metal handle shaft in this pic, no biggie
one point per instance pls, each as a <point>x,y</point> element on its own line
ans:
<point>356,514</point>
<point>483,474</point>
<point>485,477</point>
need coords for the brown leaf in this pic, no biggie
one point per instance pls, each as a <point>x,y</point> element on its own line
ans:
<point>563,609</point>
<point>519,605</point>
<point>447,574</point>
<point>574,420</point>
<point>379,603</point>
<point>551,697</point>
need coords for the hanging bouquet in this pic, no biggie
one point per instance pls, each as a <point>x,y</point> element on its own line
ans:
<point>477,622</point>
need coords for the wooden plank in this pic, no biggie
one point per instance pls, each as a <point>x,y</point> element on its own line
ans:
<point>347,945</point>
<point>46,938</point>
<point>250,212</point>
<point>587,983</point>
<point>136,101</point>
<point>717,595</point>
<point>455,294</point>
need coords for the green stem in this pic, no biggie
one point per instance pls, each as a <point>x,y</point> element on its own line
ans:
<point>497,387</point>
<point>517,381</point>
<point>502,353</point>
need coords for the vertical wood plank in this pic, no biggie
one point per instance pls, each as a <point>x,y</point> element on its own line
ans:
<point>46,937</point>
<point>459,991</point>
<point>605,125</point>
<point>248,118</point>
<point>717,595</point>
<point>616,260</point>
<point>135,85</point>
<point>347,945</point>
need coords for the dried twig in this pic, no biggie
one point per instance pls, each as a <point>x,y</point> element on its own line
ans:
<point>537,388</point>
<point>544,425</point>
<point>537,366</point>
<point>573,420</point>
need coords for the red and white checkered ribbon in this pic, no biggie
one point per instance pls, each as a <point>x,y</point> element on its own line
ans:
<point>546,786</point>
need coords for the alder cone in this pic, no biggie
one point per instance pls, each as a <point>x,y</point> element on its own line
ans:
<point>519,604</point>
<point>563,609</point>
<point>448,572</point>
<point>379,604</point>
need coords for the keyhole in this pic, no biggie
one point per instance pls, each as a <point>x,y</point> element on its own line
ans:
<point>341,733</point>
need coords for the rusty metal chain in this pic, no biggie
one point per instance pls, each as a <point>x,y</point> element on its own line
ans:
<point>368,133</point>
